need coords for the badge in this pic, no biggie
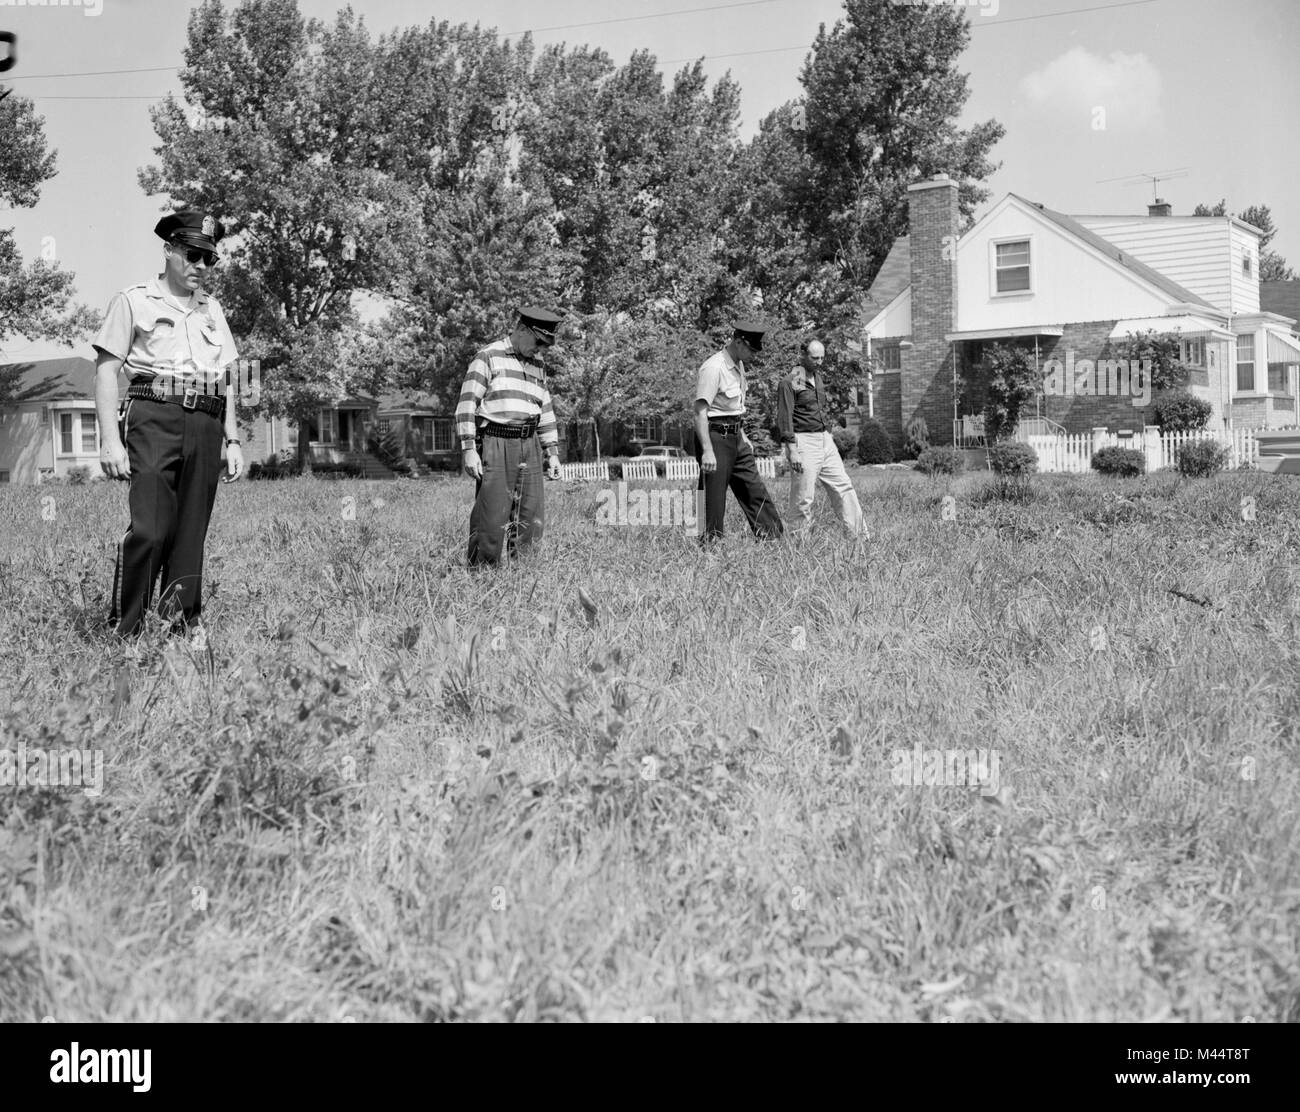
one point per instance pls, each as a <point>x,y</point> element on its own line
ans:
<point>209,226</point>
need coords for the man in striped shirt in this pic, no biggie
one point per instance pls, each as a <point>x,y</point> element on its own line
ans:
<point>504,419</point>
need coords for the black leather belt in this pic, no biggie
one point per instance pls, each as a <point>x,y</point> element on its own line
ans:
<point>508,432</point>
<point>189,398</point>
<point>721,426</point>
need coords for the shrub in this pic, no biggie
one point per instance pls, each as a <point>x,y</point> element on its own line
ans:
<point>916,438</point>
<point>1179,411</point>
<point>1013,458</point>
<point>874,445</point>
<point>763,443</point>
<point>940,461</point>
<point>845,441</point>
<point>1201,458</point>
<point>78,476</point>
<point>1124,462</point>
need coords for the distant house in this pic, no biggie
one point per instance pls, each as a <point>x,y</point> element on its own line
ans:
<point>47,420</point>
<point>1071,289</point>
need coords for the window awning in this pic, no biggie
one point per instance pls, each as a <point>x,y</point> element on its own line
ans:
<point>1283,348</point>
<point>1187,325</point>
<point>1007,333</point>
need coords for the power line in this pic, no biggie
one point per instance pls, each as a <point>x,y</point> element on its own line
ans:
<point>634,18</point>
<point>626,19</point>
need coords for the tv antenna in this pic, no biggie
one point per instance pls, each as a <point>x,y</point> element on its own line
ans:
<point>1155,179</point>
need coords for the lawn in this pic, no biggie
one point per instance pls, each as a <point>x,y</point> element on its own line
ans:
<point>622,779</point>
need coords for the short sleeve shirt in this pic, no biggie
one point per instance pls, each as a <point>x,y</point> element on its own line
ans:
<point>159,337</point>
<point>721,383</point>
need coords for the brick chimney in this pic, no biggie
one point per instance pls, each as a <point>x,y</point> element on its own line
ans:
<point>1160,207</point>
<point>933,220</point>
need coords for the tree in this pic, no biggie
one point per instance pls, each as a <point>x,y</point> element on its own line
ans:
<point>1163,350</point>
<point>34,297</point>
<point>1012,382</point>
<point>1272,266</point>
<point>883,95</point>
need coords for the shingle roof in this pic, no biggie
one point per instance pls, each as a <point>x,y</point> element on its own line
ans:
<point>48,380</point>
<point>894,276</point>
<point>1069,224</point>
<point>1282,298</point>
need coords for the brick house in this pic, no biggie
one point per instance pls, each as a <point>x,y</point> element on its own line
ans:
<point>1069,290</point>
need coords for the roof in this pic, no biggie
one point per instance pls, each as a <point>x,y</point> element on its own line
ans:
<point>1154,277</point>
<point>894,276</point>
<point>48,380</point>
<point>418,402</point>
<point>1282,298</point>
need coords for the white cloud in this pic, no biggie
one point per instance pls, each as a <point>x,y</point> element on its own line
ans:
<point>1126,86</point>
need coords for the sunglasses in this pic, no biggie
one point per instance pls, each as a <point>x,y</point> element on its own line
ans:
<point>196,255</point>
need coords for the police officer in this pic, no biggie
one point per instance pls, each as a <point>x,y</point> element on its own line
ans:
<point>173,342</point>
<point>806,433</point>
<point>722,449</point>
<point>504,419</point>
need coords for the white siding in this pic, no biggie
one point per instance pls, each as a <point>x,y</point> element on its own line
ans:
<point>895,319</point>
<point>1245,290</point>
<point>1071,281</point>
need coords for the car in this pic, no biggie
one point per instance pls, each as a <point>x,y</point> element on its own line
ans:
<point>662,451</point>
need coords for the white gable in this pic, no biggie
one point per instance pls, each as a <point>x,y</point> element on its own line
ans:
<point>895,319</point>
<point>1070,279</point>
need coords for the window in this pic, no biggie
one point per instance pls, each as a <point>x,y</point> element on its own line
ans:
<point>890,357</point>
<point>89,434</point>
<point>385,427</point>
<point>4,476</point>
<point>1011,263</point>
<point>649,429</point>
<point>65,434</point>
<point>1277,378</point>
<point>291,434</point>
<point>329,427</point>
<point>1193,353</point>
<point>1245,264</point>
<point>441,435</point>
<point>1246,362</point>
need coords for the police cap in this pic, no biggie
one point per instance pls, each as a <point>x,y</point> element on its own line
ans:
<point>192,228</point>
<point>543,322</point>
<point>751,331</point>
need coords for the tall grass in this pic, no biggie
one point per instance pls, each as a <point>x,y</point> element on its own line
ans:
<point>395,789</point>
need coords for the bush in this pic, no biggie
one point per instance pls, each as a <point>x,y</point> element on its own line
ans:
<point>78,476</point>
<point>1013,458</point>
<point>874,445</point>
<point>916,438</point>
<point>763,443</point>
<point>1201,458</point>
<point>940,461</point>
<point>1124,462</point>
<point>1179,411</point>
<point>846,440</point>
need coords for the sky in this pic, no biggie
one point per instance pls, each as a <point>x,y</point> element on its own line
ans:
<point>1088,91</point>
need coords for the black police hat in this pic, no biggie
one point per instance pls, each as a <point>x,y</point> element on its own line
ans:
<point>192,228</point>
<point>543,322</point>
<point>751,331</point>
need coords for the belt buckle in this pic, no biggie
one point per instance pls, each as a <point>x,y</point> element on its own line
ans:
<point>190,400</point>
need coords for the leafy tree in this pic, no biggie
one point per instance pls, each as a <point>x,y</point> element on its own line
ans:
<point>1164,350</point>
<point>1012,382</point>
<point>34,297</point>
<point>883,94</point>
<point>1272,266</point>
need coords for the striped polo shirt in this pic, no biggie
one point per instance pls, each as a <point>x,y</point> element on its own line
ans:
<point>507,389</point>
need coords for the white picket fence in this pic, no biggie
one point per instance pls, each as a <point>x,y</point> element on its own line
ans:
<point>640,469</point>
<point>585,472</point>
<point>1072,452</point>
<point>679,469</point>
<point>766,467</point>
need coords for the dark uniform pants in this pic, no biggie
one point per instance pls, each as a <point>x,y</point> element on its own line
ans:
<point>509,503</point>
<point>175,457</point>
<point>737,470</point>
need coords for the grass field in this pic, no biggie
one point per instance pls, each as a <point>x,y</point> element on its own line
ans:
<point>396,790</point>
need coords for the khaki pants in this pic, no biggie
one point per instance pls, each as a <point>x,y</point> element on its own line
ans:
<point>822,464</point>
